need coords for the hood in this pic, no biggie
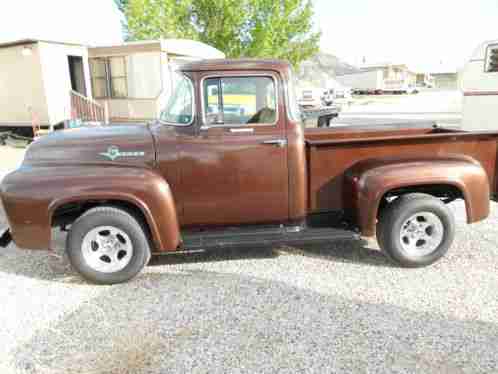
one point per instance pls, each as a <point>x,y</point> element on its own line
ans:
<point>129,144</point>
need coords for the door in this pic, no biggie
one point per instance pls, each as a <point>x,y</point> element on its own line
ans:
<point>77,74</point>
<point>234,170</point>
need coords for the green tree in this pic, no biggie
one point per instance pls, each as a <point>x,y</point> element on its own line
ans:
<point>240,28</point>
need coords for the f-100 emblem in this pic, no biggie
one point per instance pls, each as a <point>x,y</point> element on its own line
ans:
<point>113,153</point>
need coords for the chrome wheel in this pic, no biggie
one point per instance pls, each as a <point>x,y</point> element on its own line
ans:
<point>421,234</point>
<point>107,249</point>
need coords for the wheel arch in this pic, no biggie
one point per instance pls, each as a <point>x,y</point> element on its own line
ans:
<point>446,191</point>
<point>65,210</point>
<point>369,183</point>
<point>437,190</point>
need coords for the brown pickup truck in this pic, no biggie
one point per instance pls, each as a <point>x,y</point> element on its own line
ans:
<point>229,163</point>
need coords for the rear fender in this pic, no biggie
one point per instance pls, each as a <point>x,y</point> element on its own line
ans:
<point>368,181</point>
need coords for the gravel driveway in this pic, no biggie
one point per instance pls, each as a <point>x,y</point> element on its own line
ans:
<point>324,308</point>
<point>9,159</point>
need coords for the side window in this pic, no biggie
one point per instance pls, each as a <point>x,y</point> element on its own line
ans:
<point>212,100</point>
<point>492,59</point>
<point>179,110</point>
<point>240,101</point>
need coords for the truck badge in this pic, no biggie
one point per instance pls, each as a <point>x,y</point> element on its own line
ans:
<point>113,153</point>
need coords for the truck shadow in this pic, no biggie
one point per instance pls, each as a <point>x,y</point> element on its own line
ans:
<point>54,265</point>
<point>348,251</point>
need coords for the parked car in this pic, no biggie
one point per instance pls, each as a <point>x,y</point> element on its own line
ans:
<point>183,184</point>
<point>328,97</point>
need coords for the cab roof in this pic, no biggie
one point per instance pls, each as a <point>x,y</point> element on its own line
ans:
<point>236,64</point>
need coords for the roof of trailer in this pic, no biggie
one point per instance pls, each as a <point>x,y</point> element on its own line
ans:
<point>18,42</point>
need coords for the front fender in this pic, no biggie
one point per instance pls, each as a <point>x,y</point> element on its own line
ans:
<point>32,195</point>
<point>369,180</point>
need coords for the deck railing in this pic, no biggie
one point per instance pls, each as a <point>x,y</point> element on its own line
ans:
<point>86,109</point>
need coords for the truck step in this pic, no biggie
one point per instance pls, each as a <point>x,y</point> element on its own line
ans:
<point>263,237</point>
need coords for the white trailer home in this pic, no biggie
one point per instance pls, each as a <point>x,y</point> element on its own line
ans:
<point>47,83</point>
<point>134,80</point>
<point>36,78</point>
<point>479,83</point>
<point>381,78</point>
<point>366,82</point>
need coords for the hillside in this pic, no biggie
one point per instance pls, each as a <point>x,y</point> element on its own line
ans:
<point>322,67</point>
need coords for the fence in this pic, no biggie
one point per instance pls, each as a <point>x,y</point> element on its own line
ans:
<point>86,109</point>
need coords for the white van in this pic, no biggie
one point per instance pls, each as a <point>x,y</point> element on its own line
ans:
<point>479,83</point>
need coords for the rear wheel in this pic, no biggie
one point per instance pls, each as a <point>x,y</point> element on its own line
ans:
<point>416,230</point>
<point>107,245</point>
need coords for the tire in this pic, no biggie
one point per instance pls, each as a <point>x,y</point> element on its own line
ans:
<point>108,245</point>
<point>416,230</point>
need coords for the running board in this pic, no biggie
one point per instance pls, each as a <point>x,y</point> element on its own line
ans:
<point>263,237</point>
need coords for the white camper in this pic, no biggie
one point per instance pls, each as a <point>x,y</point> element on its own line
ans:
<point>479,83</point>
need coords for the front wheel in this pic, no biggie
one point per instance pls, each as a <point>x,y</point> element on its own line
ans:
<point>416,230</point>
<point>107,245</point>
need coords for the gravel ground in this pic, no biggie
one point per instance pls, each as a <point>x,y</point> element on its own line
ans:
<point>339,307</point>
<point>10,158</point>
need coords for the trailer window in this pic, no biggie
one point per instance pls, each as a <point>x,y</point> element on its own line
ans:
<point>99,77</point>
<point>110,77</point>
<point>492,59</point>
<point>240,101</point>
<point>118,78</point>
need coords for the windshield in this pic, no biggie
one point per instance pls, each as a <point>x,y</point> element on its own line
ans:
<point>180,107</point>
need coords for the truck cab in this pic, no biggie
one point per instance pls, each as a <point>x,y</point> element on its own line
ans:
<point>232,167</point>
<point>228,163</point>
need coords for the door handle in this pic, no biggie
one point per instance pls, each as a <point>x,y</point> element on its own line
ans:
<point>277,142</point>
<point>242,130</point>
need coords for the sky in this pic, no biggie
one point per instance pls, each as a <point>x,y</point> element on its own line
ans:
<point>427,35</point>
<point>94,22</point>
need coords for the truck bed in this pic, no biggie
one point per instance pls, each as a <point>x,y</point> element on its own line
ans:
<point>332,151</point>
